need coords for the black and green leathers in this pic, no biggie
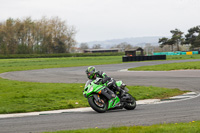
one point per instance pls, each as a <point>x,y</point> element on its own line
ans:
<point>102,75</point>
<point>111,83</point>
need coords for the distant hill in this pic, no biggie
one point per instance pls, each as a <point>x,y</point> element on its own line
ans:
<point>135,41</point>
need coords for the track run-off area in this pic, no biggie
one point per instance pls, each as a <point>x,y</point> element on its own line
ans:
<point>169,112</point>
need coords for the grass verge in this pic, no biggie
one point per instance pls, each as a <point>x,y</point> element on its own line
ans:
<point>18,96</point>
<point>190,127</point>
<point>183,57</point>
<point>7,65</point>
<point>168,67</point>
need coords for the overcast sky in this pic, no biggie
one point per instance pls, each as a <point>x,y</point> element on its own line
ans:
<point>110,19</point>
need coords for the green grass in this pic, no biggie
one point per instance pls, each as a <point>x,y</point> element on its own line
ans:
<point>18,96</point>
<point>149,92</point>
<point>7,65</point>
<point>190,127</point>
<point>168,67</point>
<point>183,57</point>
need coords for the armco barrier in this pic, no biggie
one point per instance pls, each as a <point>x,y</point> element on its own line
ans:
<point>195,52</point>
<point>177,53</point>
<point>189,53</point>
<point>143,58</point>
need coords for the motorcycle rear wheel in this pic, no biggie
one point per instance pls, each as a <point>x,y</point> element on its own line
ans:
<point>97,106</point>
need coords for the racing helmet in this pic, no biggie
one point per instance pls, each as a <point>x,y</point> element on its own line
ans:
<point>90,71</point>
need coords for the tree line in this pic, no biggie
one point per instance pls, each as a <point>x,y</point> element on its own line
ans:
<point>178,38</point>
<point>42,36</point>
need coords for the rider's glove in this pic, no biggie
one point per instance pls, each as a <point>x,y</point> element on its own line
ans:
<point>110,83</point>
<point>98,81</point>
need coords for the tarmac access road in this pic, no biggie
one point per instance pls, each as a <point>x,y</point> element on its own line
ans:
<point>171,112</point>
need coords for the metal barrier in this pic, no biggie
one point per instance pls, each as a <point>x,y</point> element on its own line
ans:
<point>177,53</point>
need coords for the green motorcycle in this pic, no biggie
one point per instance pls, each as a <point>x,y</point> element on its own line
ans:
<point>101,98</point>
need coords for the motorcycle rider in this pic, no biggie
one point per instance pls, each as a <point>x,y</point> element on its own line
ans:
<point>111,83</point>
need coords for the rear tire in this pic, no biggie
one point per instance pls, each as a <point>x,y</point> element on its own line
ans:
<point>132,105</point>
<point>98,107</point>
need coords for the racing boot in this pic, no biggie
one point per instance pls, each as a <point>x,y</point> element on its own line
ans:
<point>121,91</point>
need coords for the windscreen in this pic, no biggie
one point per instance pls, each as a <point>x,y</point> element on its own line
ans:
<point>88,82</point>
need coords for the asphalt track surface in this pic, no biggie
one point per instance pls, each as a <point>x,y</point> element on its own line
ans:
<point>172,112</point>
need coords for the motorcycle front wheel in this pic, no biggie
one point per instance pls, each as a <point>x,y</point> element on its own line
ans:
<point>131,105</point>
<point>99,107</point>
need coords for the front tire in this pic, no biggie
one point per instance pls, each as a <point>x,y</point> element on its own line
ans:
<point>97,106</point>
<point>131,105</point>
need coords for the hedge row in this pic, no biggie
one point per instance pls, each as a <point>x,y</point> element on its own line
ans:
<point>58,55</point>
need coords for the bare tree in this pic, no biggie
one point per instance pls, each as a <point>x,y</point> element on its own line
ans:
<point>39,36</point>
<point>96,46</point>
<point>123,46</point>
<point>84,46</point>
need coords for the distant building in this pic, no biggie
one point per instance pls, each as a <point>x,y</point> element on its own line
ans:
<point>75,50</point>
<point>100,50</point>
<point>133,52</point>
